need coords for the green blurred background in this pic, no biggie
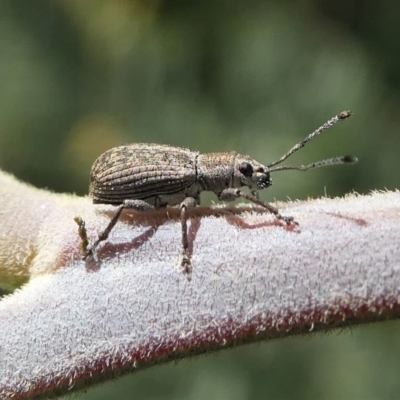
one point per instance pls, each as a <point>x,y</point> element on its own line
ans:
<point>79,77</point>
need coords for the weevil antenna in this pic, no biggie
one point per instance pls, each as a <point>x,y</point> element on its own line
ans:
<point>328,124</point>
<point>318,164</point>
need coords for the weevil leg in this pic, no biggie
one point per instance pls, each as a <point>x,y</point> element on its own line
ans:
<point>83,235</point>
<point>231,194</point>
<point>138,205</point>
<point>187,204</point>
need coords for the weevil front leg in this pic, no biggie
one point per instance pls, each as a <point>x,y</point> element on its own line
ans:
<point>231,194</point>
<point>187,204</point>
<point>138,205</point>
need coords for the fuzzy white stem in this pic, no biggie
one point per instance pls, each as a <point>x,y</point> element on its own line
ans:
<point>78,322</point>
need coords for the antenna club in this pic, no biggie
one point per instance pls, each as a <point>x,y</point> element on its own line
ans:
<point>345,114</point>
<point>350,159</point>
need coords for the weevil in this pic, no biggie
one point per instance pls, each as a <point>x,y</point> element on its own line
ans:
<point>144,176</point>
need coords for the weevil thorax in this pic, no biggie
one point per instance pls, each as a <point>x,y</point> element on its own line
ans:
<point>218,171</point>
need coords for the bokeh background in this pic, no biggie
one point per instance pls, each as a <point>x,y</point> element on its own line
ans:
<point>79,77</point>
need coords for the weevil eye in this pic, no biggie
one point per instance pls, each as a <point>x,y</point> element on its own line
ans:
<point>246,169</point>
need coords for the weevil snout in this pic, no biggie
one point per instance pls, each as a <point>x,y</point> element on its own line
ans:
<point>264,179</point>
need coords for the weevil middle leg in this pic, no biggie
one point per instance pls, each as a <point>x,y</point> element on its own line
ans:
<point>186,205</point>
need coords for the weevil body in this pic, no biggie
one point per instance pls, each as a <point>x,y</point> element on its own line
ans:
<point>147,176</point>
<point>162,175</point>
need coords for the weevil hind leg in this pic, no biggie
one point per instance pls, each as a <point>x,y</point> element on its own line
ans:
<point>231,194</point>
<point>138,205</point>
<point>187,204</point>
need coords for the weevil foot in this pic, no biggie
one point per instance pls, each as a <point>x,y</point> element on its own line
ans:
<point>289,220</point>
<point>88,253</point>
<point>186,265</point>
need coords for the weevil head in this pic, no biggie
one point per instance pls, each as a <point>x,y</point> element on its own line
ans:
<point>251,173</point>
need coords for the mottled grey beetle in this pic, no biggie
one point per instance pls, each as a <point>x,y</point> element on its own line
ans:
<point>145,176</point>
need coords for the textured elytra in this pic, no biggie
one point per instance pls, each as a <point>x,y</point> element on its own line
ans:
<point>142,171</point>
